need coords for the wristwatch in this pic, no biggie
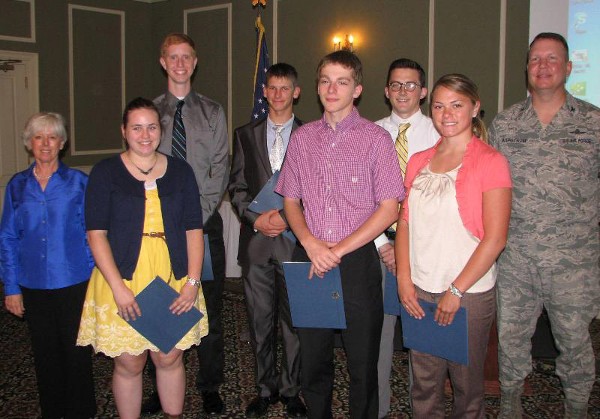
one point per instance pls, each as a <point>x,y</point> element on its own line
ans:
<point>455,291</point>
<point>195,282</point>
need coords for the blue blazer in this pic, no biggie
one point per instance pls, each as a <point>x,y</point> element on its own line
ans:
<point>115,202</point>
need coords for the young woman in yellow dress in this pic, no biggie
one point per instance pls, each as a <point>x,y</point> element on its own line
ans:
<point>144,220</point>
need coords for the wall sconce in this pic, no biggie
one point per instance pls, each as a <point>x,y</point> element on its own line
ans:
<point>347,44</point>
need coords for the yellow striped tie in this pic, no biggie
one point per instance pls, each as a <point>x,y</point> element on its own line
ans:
<point>401,145</point>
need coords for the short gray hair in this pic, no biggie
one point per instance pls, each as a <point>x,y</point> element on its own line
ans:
<point>44,120</point>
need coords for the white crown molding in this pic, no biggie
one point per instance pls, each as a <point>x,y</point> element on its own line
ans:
<point>31,37</point>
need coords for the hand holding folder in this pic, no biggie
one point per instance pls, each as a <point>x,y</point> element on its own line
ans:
<point>425,335</point>
<point>316,302</point>
<point>157,323</point>
<point>267,199</point>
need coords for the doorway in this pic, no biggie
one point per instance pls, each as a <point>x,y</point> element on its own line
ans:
<point>19,99</point>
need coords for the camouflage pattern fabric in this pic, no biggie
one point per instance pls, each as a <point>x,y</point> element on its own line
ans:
<point>553,249</point>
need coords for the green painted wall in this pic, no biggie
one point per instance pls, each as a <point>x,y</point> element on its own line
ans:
<point>466,39</point>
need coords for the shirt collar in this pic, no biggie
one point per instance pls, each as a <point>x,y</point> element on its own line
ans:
<point>61,171</point>
<point>571,106</point>
<point>413,119</point>
<point>346,123</point>
<point>287,124</point>
<point>172,99</point>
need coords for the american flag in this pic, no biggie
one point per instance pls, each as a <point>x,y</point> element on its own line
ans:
<point>260,109</point>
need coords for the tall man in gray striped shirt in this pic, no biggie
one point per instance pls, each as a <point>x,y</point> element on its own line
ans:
<point>206,149</point>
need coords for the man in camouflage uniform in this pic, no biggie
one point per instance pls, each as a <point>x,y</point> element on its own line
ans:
<point>552,142</point>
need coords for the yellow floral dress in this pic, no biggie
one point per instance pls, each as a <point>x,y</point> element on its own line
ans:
<point>102,327</point>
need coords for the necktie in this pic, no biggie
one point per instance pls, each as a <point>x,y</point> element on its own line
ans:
<point>178,144</point>
<point>277,154</point>
<point>401,145</point>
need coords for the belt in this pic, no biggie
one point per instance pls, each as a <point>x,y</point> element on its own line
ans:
<point>390,234</point>
<point>158,234</point>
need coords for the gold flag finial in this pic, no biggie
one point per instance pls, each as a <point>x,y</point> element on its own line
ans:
<point>263,3</point>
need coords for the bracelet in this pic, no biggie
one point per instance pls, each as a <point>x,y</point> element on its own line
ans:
<point>455,291</point>
<point>193,281</point>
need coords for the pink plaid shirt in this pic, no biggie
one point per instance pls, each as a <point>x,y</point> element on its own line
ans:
<point>340,175</point>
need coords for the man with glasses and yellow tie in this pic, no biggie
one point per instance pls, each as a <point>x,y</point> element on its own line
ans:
<point>412,132</point>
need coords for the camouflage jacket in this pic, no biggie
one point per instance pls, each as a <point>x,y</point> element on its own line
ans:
<point>556,191</point>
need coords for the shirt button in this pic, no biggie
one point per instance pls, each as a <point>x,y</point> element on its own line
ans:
<point>329,209</point>
<point>333,144</point>
<point>328,231</point>
<point>43,221</point>
<point>43,239</point>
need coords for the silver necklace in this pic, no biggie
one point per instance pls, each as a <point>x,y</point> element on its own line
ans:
<point>41,177</point>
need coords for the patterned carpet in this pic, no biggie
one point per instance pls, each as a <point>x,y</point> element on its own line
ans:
<point>18,396</point>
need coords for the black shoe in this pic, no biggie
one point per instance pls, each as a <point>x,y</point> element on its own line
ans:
<point>259,405</point>
<point>212,402</point>
<point>152,404</point>
<point>294,406</point>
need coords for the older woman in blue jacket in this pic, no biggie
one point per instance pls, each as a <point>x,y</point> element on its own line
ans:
<point>45,264</point>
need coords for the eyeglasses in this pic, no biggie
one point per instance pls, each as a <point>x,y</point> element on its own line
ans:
<point>409,86</point>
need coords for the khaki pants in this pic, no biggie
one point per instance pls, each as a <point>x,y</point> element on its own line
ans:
<point>430,372</point>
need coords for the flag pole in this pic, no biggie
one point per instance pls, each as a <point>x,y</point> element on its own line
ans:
<point>260,106</point>
<point>261,33</point>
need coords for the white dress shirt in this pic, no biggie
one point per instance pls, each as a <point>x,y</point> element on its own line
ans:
<point>421,135</point>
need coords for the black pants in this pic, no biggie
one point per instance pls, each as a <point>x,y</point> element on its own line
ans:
<point>63,370</point>
<point>211,355</point>
<point>363,307</point>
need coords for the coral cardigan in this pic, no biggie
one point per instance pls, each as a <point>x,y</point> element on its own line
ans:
<point>483,168</point>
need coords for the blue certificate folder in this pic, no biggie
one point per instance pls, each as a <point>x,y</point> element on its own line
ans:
<point>157,324</point>
<point>425,335</point>
<point>207,270</point>
<point>316,302</point>
<point>267,199</point>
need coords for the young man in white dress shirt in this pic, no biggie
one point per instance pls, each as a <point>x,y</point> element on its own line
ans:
<point>405,89</point>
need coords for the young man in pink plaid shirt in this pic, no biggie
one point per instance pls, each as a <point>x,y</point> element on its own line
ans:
<point>341,183</point>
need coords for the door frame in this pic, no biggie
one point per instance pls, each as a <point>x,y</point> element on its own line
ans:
<point>32,98</point>
<point>31,62</point>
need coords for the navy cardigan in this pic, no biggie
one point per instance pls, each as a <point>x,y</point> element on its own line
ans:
<point>115,202</point>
